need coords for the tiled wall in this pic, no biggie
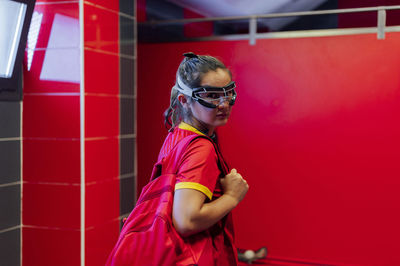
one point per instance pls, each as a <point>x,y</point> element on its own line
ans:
<point>109,122</point>
<point>101,129</point>
<point>10,183</point>
<point>128,172</point>
<point>51,137</point>
<point>78,131</point>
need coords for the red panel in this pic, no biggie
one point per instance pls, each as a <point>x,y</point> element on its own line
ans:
<point>315,133</point>
<point>46,1</point>
<point>51,205</point>
<point>51,116</point>
<point>101,28</point>
<point>48,76</point>
<point>101,159</point>
<point>99,242</point>
<point>56,69</point>
<point>59,20</point>
<point>50,247</point>
<point>102,202</point>
<point>112,5</point>
<point>101,116</point>
<point>55,161</point>
<point>101,73</point>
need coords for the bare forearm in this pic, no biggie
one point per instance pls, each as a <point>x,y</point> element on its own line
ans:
<point>210,213</point>
<point>190,212</point>
<point>190,216</point>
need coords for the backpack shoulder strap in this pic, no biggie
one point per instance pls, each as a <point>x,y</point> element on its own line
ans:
<point>223,167</point>
<point>178,149</point>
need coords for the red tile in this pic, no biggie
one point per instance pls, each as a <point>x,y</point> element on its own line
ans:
<point>101,159</point>
<point>46,1</point>
<point>59,25</point>
<point>101,73</point>
<point>51,161</point>
<point>51,205</point>
<point>99,242</point>
<point>51,116</point>
<point>52,71</point>
<point>101,28</point>
<point>113,5</point>
<point>46,247</point>
<point>102,202</point>
<point>101,116</point>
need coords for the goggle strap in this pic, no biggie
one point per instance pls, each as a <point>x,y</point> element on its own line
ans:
<point>182,87</point>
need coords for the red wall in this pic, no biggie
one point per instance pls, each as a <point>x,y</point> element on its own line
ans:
<point>51,142</point>
<point>101,35</point>
<point>52,116</point>
<point>314,132</point>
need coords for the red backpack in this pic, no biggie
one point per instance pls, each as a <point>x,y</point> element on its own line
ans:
<point>148,236</point>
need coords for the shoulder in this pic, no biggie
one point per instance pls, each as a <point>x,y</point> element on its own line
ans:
<point>200,147</point>
<point>201,143</point>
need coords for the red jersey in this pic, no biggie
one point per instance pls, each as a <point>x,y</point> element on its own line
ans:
<point>199,170</point>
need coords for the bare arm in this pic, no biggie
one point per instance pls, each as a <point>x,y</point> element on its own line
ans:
<point>191,215</point>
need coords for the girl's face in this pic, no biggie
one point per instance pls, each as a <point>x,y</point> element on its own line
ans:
<point>213,117</point>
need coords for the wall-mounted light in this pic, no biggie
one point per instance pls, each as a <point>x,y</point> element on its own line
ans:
<point>15,17</point>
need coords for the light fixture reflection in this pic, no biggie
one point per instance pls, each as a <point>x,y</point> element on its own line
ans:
<point>33,35</point>
<point>61,61</point>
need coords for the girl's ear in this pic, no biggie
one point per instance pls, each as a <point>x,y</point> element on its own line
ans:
<point>182,99</point>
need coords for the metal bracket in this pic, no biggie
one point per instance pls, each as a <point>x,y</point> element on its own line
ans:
<point>252,30</point>
<point>381,24</point>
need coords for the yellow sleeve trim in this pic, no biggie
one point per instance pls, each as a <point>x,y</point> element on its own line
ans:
<point>185,126</point>
<point>195,186</point>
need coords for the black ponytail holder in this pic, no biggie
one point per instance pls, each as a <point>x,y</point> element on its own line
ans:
<point>190,55</point>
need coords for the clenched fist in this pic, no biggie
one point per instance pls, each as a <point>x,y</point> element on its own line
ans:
<point>234,185</point>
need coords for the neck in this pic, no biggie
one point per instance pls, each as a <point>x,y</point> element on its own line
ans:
<point>200,126</point>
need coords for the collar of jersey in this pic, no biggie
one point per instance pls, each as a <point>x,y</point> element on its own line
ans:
<point>185,126</point>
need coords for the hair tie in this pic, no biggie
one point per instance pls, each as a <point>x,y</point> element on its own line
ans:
<point>190,55</point>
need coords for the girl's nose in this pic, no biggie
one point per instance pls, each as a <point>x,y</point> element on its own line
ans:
<point>223,103</point>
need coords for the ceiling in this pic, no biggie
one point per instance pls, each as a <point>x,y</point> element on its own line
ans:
<point>224,8</point>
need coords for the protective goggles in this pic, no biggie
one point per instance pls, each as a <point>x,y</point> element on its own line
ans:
<point>210,97</point>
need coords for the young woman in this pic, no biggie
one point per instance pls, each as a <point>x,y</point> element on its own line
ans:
<point>201,101</point>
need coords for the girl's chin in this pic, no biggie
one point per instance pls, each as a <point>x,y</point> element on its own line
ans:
<point>221,122</point>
